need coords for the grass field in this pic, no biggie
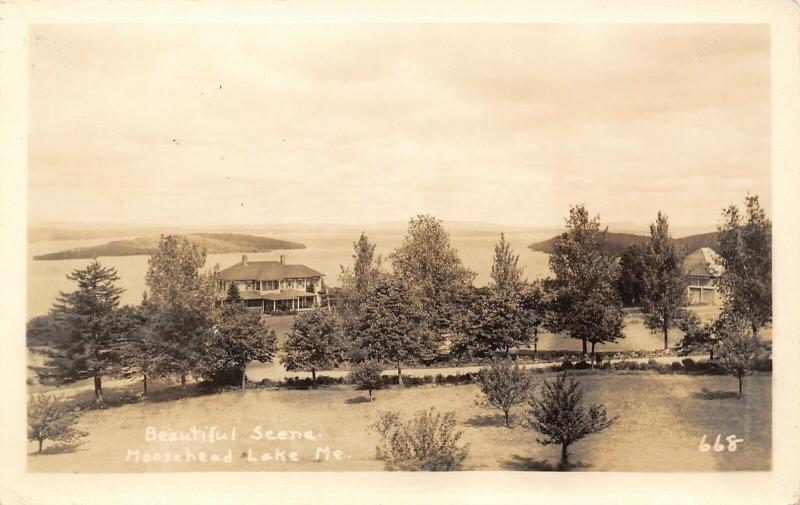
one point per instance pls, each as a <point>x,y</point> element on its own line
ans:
<point>661,421</point>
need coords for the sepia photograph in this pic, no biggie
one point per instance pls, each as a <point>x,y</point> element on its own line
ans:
<point>502,247</point>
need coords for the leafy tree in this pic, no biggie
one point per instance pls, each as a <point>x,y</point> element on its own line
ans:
<point>238,338</point>
<point>745,249</point>
<point>133,341</point>
<point>367,375</point>
<point>494,321</point>
<point>631,276</point>
<point>428,442</point>
<point>358,282</point>
<point>665,282</point>
<point>87,318</point>
<point>585,304</point>
<point>391,328</point>
<point>535,308</point>
<point>183,299</point>
<point>738,349</point>
<point>560,417</point>
<point>232,295</point>
<point>499,317</point>
<point>506,272</point>
<point>314,343</point>
<point>428,265</point>
<point>49,418</point>
<point>503,386</point>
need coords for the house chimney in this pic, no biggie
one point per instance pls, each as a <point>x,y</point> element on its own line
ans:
<point>283,259</point>
<point>244,260</point>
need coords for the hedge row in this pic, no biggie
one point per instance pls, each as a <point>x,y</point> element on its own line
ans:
<point>686,365</point>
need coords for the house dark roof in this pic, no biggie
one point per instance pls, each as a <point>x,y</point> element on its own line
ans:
<point>703,262</point>
<point>266,271</point>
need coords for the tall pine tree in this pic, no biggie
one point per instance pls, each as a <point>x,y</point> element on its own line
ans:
<point>506,273</point>
<point>358,282</point>
<point>88,318</point>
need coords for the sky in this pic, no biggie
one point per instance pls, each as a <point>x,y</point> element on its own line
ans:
<point>344,123</point>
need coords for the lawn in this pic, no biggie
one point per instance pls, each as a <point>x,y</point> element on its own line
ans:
<point>661,421</point>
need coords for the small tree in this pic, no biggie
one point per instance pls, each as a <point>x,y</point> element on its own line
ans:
<point>238,339</point>
<point>314,343</point>
<point>503,386</point>
<point>738,349</point>
<point>428,442</point>
<point>367,375</point>
<point>698,336</point>
<point>232,296</point>
<point>561,418</point>
<point>50,419</point>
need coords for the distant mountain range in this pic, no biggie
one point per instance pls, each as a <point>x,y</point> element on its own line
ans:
<point>616,243</point>
<point>214,243</point>
<point>55,232</point>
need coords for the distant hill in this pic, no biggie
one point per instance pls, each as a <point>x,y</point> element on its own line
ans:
<point>616,243</point>
<point>214,243</point>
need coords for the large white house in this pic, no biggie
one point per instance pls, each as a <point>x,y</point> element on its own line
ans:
<point>273,286</point>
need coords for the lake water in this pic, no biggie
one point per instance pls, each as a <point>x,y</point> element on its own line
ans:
<point>324,252</point>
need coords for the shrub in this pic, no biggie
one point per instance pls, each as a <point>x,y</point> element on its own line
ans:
<point>675,366</point>
<point>688,364</point>
<point>582,365</point>
<point>49,418</point>
<point>626,365</point>
<point>367,375</point>
<point>708,367</point>
<point>566,365</point>
<point>429,442</point>
<point>653,364</point>
<point>503,386</point>
<point>307,383</point>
